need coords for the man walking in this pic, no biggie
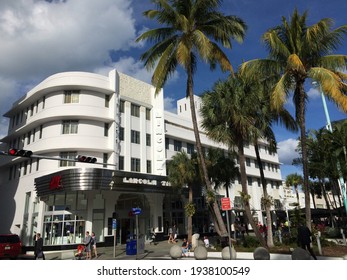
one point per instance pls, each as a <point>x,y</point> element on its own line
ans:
<point>304,239</point>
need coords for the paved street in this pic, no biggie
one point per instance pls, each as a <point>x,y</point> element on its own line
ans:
<point>158,251</point>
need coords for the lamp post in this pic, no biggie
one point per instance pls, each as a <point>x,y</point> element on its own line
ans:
<point>341,181</point>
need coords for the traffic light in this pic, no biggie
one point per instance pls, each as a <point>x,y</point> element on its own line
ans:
<point>86,159</point>
<point>19,153</point>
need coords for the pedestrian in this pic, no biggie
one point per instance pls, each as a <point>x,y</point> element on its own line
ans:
<point>174,233</point>
<point>87,243</point>
<point>93,243</point>
<point>206,242</point>
<point>304,239</point>
<point>39,247</point>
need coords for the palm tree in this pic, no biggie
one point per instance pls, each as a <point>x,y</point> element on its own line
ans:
<point>182,171</point>
<point>298,52</point>
<point>222,169</point>
<point>228,118</point>
<point>295,180</point>
<point>190,29</point>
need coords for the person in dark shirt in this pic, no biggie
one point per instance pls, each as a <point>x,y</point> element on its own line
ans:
<point>304,239</point>
<point>39,247</point>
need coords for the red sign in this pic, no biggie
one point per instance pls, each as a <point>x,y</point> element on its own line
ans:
<point>225,201</point>
<point>55,183</point>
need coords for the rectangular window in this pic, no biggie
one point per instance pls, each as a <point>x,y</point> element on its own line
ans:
<point>107,101</point>
<point>121,134</point>
<point>28,137</point>
<point>135,164</point>
<point>135,136</point>
<point>37,164</point>
<point>177,146</point>
<point>190,148</point>
<point>34,134</point>
<point>249,181</point>
<point>40,134</point>
<point>71,96</point>
<point>121,163</point>
<point>122,106</point>
<point>104,159</point>
<point>248,161</point>
<point>167,143</point>
<point>135,110</point>
<point>148,140</point>
<point>148,114</point>
<point>149,166</point>
<point>70,127</point>
<point>67,155</point>
<point>43,102</point>
<point>238,202</point>
<point>106,129</point>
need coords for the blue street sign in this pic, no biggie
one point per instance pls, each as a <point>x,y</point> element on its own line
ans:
<point>136,211</point>
<point>114,223</point>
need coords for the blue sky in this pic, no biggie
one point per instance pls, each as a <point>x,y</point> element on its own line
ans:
<point>40,38</point>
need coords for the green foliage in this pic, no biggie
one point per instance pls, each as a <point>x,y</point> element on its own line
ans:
<point>250,242</point>
<point>189,209</point>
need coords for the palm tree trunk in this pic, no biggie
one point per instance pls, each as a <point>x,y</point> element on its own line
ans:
<point>245,194</point>
<point>301,115</point>
<point>270,241</point>
<point>219,223</point>
<point>190,218</point>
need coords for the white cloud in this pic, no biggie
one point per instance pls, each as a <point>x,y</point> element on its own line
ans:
<point>40,38</point>
<point>313,93</point>
<point>170,105</point>
<point>287,151</point>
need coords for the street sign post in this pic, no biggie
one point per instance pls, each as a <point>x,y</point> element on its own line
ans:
<point>226,206</point>
<point>114,227</point>
<point>137,211</point>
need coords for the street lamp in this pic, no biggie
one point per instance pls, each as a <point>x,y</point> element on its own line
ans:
<point>341,182</point>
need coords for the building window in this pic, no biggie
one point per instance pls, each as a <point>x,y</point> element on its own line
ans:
<point>70,127</point>
<point>190,148</point>
<point>43,102</point>
<point>121,163</point>
<point>148,114</point>
<point>71,96</point>
<point>135,136</point>
<point>67,155</point>
<point>135,110</point>
<point>249,181</point>
<point>104,159</point>
<point>177,145</point>
<point>135,164</point>
<point>106,126</point>
<point>29,138</point>
<point>148,140</point>
<point>121,106</point>
<point>167,143</point>
<point>107,101</point>
<point>238,202</point>
<point>121,134</point>
<point>248,161</point>
<point>149,166</point>
<point>40,134</point>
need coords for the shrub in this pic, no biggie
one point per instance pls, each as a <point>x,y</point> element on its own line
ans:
<point>250,242</point>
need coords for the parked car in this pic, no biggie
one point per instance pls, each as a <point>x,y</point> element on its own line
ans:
<point>10,246</point>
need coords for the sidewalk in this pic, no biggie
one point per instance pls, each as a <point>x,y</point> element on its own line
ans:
<point>161,251</point>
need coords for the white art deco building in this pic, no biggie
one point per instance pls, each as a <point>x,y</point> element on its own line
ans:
<point>120,122</point>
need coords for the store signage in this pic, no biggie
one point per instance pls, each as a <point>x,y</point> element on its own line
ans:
<point>55,183</point>
<point>142,181</point>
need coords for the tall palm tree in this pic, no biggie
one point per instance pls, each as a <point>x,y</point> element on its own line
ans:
<point>295,180</point>
<point>298,52</point>
<point>228,118</point>
<point>182,171</point>
<point>190,29</point>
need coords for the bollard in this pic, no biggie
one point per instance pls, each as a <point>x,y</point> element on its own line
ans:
<point>318,242</point>
<point>343,237</point>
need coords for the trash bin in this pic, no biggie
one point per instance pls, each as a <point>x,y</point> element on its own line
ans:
<point>130,248</point>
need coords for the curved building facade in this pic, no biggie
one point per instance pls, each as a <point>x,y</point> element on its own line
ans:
<point>120,122</point>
